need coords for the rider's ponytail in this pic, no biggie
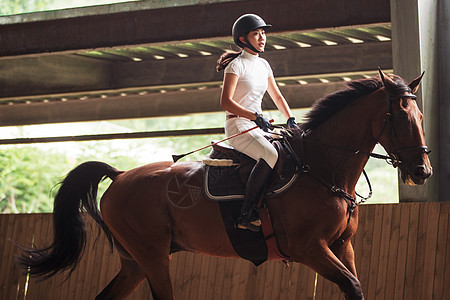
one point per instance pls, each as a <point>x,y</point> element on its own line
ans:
<point>225,59</point>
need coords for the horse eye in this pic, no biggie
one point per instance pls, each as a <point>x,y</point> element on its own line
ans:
<point>404,102</point>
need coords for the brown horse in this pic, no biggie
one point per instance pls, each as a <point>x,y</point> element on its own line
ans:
<point>154,210</point>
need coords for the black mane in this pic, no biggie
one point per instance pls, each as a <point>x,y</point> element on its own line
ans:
<point>325,107</point>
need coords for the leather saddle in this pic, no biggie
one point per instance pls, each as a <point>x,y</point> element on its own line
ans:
<point>227,183</point>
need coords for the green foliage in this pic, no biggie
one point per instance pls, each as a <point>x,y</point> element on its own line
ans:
<point>27,177</point>
<point>28,174</point>
<point>10,7</point>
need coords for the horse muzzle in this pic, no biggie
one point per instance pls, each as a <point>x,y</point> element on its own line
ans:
<point>416,174</point>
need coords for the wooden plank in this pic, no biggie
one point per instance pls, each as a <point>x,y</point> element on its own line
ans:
<point>279,269</point>
<point>5,234</point>
<point>294,282</point>
<point>38,227</point>
<point>25,238</point>
<point>239,279</point>
<point>11,280</point>
<point>232,265</point>
<point>203,277</point>
<point>285,282</point>
<point>86,277</point>
<point>327,289</point>
<point>77,279</point>
<point>98,279</point>
<point>307,281</point>
<point>441,254</point>
<point>268,281</point>
<point>375,251</point>
<point>7,253</point>
<point>431,241</point>
<point>402,251</point>
<point>384,250</point>
<point>42,237</point>
<point>419,262</point>
<point>366,247</point>
<point>393,256</point>
<point>110,264</point>
<point>22,236</point>
<point>3,229</point>
<point>261,272</point>
<point>411,255</point>
<point>211,278</point>
<point>250,292</point>
<point>189,274</point>
<point>178,275</point>
<point>320,283</point>
<point>219,278</point>
<point>55,287</point>
<point>446,280</point>
<point>192,276</point>
<point>358,239</point>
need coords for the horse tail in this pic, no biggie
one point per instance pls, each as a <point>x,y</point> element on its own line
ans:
<point>78,192</point>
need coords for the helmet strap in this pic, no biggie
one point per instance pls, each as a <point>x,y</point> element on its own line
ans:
<point>250,46</point>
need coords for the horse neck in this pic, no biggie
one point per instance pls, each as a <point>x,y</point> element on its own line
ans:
<point>331,152</point>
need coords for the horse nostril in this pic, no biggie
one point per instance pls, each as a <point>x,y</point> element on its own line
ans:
<point>421,171</point>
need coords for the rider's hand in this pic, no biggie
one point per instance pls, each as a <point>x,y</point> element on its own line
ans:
<point>262,122</point>
<point>291,123</point>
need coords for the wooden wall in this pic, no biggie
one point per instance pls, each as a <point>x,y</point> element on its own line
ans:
<point>402,252</point>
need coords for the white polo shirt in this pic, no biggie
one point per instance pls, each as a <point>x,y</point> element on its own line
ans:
<point>253,73</point>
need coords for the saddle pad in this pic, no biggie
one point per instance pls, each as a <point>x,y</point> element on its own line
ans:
<point>225,183</point>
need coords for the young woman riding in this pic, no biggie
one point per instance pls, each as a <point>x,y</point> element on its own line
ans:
<point>247,77</point>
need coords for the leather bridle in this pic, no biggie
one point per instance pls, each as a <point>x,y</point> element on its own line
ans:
<point>393,157</point>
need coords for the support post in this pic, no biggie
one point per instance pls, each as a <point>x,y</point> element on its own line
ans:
<point>421,42</point>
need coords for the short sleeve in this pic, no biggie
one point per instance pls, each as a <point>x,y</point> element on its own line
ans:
<point>269,69</point>
<point>233,68</point>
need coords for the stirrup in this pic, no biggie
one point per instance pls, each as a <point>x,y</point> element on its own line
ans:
<point>243,222</point>
<point>248,226</point>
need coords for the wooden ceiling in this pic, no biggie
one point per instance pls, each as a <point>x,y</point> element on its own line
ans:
<point>108,67</point>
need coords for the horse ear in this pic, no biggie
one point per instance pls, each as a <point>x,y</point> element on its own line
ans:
<point>387,81</point>
<point>414,85</point>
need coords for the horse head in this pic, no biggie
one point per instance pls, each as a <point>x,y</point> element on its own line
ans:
<point>402,133</point>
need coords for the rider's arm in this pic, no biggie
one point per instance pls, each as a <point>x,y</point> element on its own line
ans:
<point>278,98</point>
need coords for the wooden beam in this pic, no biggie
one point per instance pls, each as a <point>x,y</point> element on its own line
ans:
<point>63,74</point>
<point>113,136</point>
<point>144,106</point>
<point>53,74</point>
<point>289,62</point>
<point>182,23</point>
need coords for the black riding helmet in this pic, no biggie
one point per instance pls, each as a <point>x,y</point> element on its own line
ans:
<point>243,25</point>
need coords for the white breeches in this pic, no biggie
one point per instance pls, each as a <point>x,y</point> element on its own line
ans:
<point>252,143</point>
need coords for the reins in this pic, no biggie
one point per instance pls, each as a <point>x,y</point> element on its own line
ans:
<point>351,201</point>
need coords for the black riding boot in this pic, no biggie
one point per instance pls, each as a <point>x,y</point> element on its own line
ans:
<point>257,181</point>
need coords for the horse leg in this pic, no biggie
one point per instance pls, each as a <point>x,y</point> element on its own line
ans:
<point>344,252</point>
<point>129,277</point>
<point>323,261</point>
<point>156,268</point>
